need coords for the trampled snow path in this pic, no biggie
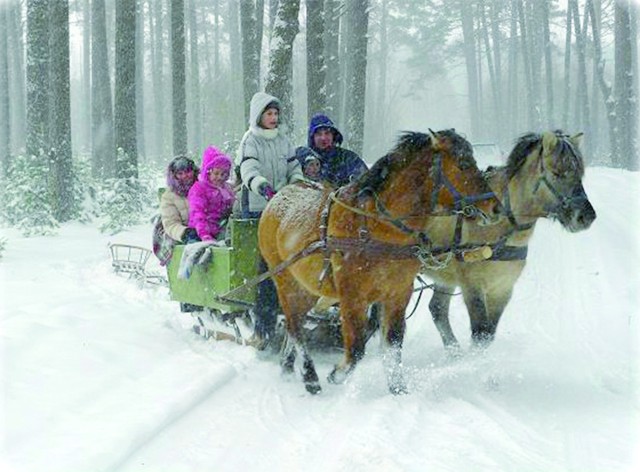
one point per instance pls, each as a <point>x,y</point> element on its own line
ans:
<point>100,375</point>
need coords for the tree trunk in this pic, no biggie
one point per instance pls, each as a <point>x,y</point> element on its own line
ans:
<point>357,75</point>
<point>582,90</point>
<point>496,39</point>
<point>344,66</point>
<point>17,82</point>
<point>160,139</point>
<point>513,102</point>
<point>194,113</point>
<point>548,65</point>
<point>85,124</point>
<point>38,60</point>
<point>493,71</point>
<point>468,36</point>
<point>316,91</point>
<point>259,34</point>
<point>626,101</point>
<point>332,55</point>
<point>280,75</point>
<point>605,87</point>
<point>5,114</point>
<point>567,72</point>
<point>250,59</point>
<point>140,76</point>
<point>102,140</point>
<point>236,89</point>
<point>526,61</point>
<point>179,102</point>
<point>60,126</point>
<point>381,112</point>
<point>125,103</point>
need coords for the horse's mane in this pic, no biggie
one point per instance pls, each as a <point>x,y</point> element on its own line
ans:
<point>568,156</point>
<point>411,145</point>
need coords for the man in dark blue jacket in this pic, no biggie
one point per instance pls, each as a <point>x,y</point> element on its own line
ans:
<point>338,166</point>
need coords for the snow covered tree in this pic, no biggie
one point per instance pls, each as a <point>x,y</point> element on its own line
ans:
<point>125,103</point>
<point>316,69</point>
<point>25,205</point>
<point>178,80</point>
<point>626,146</point>
<point>125,202</point>
<point>358,15</point>
<point>38,59</point>
<point>60,103</point>
<point>103,151</point>
<point>250,50</point>
<point>194,105</point>
<point>5,115</point>
<point>140,79</point>
<point>280,75</point>
<point>17,82</point>
<point>332,17</point>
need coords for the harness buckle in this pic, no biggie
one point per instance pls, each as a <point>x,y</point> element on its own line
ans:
<point>469,211</point>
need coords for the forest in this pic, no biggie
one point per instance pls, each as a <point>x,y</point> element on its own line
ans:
<point>96,96</point>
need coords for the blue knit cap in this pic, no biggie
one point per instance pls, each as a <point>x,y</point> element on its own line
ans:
<point>320,120</point>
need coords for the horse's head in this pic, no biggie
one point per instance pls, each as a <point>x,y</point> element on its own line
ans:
<point>458,184</point>
<point>558,171</point>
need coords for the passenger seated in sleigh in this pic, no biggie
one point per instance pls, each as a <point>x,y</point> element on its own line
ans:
<point>210,203</point>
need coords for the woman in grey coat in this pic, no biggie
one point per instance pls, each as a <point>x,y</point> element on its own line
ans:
<point>267,163</point>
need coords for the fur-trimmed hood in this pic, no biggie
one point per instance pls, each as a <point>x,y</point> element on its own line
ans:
<point>176,164</point>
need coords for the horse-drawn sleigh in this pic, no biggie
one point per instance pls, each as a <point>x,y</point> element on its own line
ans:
<point>424,207</point>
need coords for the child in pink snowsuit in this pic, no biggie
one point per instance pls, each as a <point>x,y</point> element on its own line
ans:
<point>211,197</point>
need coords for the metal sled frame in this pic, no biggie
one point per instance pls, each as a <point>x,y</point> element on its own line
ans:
<point>132,260</point>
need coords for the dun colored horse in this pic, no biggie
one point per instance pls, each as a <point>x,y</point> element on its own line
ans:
<point>364,243</point>
<point>542,179</point>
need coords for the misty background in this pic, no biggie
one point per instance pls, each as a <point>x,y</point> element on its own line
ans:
<point>96,96</point>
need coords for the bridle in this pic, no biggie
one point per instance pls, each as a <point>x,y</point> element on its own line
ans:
<point>564,202</point>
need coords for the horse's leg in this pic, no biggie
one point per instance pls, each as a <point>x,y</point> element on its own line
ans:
<point>295,302</point>
<point>439,307</point>
<point>288,358</point>
<point>482,329</point>
<point>496,303</point>
<point>353,318</point>
<point>393,329</point>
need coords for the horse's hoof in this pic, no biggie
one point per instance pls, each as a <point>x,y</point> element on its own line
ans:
<point>287,369</point>
<point>337,376</point>
<point>398,389</point>
<point>453,351</point>
<point>313,388</point>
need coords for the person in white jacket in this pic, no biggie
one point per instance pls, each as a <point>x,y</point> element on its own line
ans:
<point>267,163</point>
<point>266,156</point>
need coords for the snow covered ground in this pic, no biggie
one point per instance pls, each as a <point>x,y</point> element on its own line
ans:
<point>100,375</point>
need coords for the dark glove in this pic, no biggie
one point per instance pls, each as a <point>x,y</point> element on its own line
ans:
<point>190,236</point>
<point>266,191</point>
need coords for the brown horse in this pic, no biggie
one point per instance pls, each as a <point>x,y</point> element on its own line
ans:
<point>364,244</point>
<point>542,178</point>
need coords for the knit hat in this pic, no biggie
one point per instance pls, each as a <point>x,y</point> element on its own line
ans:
<point>214,158</point>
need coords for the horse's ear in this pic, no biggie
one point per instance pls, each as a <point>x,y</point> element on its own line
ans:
<point>549,142</point>
<point>435,141</point>
<point>576,139</point>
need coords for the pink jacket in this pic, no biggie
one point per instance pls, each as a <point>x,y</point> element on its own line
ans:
<point>209,205</point>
